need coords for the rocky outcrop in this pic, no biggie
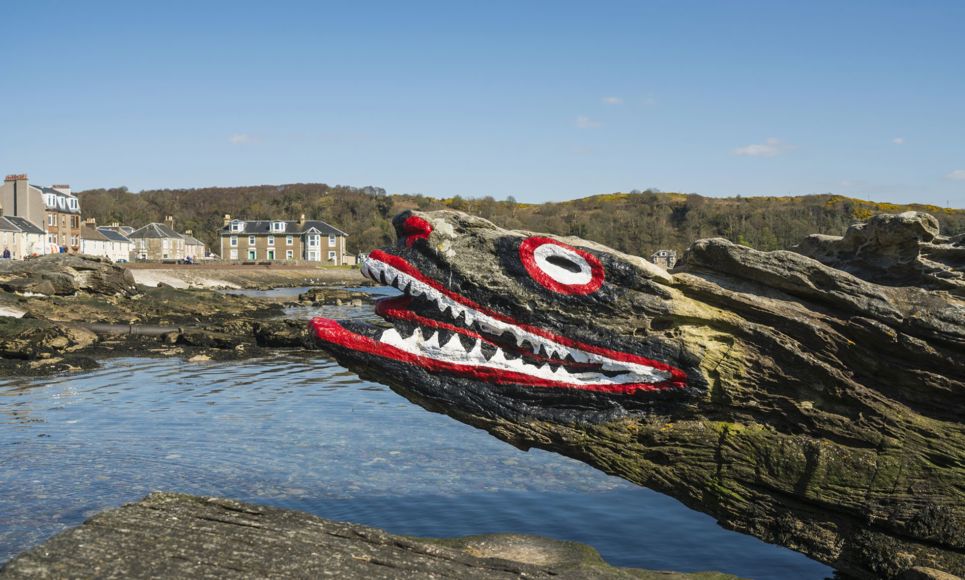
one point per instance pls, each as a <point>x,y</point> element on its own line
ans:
<point>66,275</point>
<point>814,403</point>
<point>895,250</point>
<point>180,536</point>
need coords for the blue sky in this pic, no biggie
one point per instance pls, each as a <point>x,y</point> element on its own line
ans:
<point>539,100</point>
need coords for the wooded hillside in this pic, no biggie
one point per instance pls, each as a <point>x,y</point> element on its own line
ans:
<point>637,223</point>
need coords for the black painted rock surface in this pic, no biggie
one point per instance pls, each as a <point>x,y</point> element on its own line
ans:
<point>814,403</point>
<point>169,535</point>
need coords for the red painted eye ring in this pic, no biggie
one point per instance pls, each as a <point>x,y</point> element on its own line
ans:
<point>528,255</point>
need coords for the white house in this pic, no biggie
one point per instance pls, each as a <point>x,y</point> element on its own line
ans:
<point>21,238</point>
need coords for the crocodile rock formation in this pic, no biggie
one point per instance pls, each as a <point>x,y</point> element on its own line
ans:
<point>814,402</point>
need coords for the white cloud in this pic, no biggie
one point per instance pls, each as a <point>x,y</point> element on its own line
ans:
<point>584,122</point>
<point>612,101</point>
<point>241,139</point>
<point>957,175</point>
<point>770,148</point>
<point>898,140</point>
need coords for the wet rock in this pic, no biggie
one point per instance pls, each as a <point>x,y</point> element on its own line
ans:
<point>818,402</point>
<point>176,535</point>
<point>282,333</point>
<point>337,296</point>
<point>30,338</point>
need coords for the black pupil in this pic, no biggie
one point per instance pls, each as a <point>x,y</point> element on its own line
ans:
<point>564,263</point>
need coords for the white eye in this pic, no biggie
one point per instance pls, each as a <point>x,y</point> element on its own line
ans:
<point>559,267</point>
<point>562,264</point>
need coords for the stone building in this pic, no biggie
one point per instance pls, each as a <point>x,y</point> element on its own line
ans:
<point>194,248</point>
<point>157,242</point>
<point>21,199</point>
<point>62,217</point>
<point>665,258</point>
<point>279,240</point>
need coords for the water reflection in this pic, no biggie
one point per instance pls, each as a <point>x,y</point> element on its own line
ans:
<point>303,433</point>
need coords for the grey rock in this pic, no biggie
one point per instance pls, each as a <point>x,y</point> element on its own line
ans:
<point>181,536</point>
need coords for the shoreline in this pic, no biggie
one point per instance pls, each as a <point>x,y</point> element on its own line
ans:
<point>238,276</point>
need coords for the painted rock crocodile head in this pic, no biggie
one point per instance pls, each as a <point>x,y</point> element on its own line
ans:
<point>521,317</point>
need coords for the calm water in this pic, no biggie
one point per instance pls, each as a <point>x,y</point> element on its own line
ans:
<point>306,434</point>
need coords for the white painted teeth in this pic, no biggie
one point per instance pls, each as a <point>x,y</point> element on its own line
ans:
<point>453,351</point>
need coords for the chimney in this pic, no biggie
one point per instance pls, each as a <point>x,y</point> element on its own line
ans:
<point>189,232</point>
<point>21,190</point>
<point>301,220</point>
<point>169,221</point>
<point>92,222</point>
<point>61,188</point>
<point>227,219</point>
<point>115,224</point>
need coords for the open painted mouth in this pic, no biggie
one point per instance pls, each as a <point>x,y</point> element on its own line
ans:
<point>445,333</point>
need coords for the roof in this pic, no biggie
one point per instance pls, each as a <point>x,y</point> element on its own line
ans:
<point>155,230</point>
<point>112,235</point>
<point>50,190</point>
<point>89,233</point>
<point>25,225</point>
<point>291,227</point>
<point>191,240</point>
<point>7,226</point>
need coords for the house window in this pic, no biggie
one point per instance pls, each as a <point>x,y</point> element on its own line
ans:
<point>233,254</point>
<point>51,219</point>
<point>271,240</point>
<point>313,255</point>
<point>166,244</point>
<point>331,256</point>
<point>289,240</point>
<point>237,226</point>
<point>331,239</point>
<point>289,254</point>
<point>277,226</point>
<point>251,240</point>
<point>252,254</point>
<point>233,241</point>
<point>73,241</point>
<point>313,241</point>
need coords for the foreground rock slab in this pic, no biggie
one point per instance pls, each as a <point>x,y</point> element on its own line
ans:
<point>182,536</point>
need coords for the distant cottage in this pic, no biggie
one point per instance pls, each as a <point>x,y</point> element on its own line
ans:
<point>274,240</point>
<point>105,241</point>
<point>21,238</point>
<point>665,258</point>
<point>156,242</point>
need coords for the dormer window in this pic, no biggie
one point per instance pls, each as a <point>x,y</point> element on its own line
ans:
<point>61,202</point>
<point>278,226</point>
<point>72,203</point>
<point>237,226</point>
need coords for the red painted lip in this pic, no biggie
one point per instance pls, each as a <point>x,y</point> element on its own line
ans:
<point>332,331</point>
<point>404,266</point>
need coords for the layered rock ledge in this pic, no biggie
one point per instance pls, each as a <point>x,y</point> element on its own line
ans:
<point>182,536</point>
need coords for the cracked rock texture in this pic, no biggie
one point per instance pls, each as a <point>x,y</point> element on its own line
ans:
<point>829,384</point>
<point>181,536</point>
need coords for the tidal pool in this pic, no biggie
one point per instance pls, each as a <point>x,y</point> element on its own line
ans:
<point>303,433</point>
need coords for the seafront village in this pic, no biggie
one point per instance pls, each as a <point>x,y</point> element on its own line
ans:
<point>39,220</point>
